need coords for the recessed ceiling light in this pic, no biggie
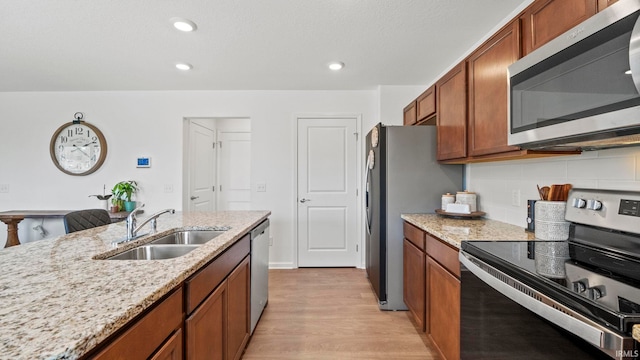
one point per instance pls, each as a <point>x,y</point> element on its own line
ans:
<point>335,66</point>
<point>184,66</point>
<point>184,24</point>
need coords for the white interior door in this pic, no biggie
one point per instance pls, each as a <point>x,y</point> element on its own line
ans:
<point>234,172</point>
<point>201,168</point>
<point>327,199</point>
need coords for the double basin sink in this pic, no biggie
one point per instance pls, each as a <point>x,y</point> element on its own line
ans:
<point>169,246</point>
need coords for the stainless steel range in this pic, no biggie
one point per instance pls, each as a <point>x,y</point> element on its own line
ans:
<point>558,299</point>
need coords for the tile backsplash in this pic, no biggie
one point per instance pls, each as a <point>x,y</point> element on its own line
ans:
<point>503,188</point>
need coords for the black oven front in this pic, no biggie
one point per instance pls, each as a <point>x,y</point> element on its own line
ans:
<point>510,311</point>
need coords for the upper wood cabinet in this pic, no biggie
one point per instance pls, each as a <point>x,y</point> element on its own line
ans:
<point>487,66</point>
<point>451,108</point>
<point>409,114</point>
<point>426,104</point>
<point>544,20</point>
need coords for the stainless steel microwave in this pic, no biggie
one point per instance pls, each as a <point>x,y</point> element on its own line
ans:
<point>580,90</point>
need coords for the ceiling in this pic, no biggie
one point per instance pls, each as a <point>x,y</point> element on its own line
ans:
<point>80,45</point>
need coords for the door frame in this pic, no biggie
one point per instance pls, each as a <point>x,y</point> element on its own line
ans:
<point>294,178</point>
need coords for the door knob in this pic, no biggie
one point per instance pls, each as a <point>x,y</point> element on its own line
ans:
<point>194,197</point>
<point>304,200</point>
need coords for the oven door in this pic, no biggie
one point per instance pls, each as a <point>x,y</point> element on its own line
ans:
<point>501,318</point>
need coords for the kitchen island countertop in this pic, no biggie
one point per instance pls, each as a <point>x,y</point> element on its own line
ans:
<point>454,231</point>
<point>58,300</point>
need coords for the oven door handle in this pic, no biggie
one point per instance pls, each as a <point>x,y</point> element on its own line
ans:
<point>586,329</point>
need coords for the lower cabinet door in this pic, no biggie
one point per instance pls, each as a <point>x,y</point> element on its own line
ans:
<point>172,349</point>
<point>238,309</point>
<point>205,327</point>
<point>414,282</point>
<point>443,309</point>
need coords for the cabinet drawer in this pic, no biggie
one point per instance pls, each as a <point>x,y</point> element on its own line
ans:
<point>446,255</point>
<point>204,281</point>
<point>144,336</point>
<point>415,235</point>
<point>409,117</point>
<point>426,104</point>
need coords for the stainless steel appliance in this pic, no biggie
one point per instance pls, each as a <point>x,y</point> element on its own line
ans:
<point>402,176</point>
<point>580,90</point>
<point>575,299</point>
<point>259,271</point>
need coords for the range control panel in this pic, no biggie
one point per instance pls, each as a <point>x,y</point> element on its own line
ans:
<point>629,207</point>
<point>612,209</point>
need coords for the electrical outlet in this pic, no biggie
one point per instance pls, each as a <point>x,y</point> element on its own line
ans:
<point>261,187</point>
<point>168,188</point>
<point>515,197</point>
<point>4,188</point>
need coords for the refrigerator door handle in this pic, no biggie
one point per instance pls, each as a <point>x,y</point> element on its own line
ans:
<point>366,183</point>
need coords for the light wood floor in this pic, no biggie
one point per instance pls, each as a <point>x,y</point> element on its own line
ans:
<point>331,314</point>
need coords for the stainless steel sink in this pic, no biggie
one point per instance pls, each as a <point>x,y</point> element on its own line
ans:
<point>188,237</point>
<point>154,252</point>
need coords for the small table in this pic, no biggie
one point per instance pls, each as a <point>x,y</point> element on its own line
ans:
<point>13,217</point>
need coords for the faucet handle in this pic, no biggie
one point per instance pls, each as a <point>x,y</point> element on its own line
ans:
<point>138,208</point>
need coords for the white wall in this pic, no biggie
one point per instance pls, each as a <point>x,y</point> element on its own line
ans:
<point>495,182</point>
<point>150,124</point>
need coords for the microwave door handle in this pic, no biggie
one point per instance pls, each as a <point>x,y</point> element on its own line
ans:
<point>634,54</point>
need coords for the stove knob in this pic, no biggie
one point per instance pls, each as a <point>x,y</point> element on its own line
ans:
<point>579,286</point>
<point>595,293</point>
<point>594,205</point>
<point>578,203</point>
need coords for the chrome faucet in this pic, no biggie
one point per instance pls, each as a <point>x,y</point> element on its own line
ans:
<point>132,221</point>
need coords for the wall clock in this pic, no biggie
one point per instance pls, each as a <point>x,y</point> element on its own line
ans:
<point>78,148</point>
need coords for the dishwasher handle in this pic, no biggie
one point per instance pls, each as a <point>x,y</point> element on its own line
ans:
<point>260,229</point>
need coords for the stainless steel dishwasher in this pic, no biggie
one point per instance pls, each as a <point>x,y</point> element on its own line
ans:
<point>259,271</point>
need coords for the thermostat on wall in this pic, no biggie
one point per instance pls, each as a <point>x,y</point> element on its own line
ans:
<point>144,162</point>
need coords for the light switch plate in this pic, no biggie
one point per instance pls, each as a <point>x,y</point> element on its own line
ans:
<point>515,197</point>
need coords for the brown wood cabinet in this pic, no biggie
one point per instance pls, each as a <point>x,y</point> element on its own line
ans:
<point>172,348</point>
<point>218,306</point>
<point>436,301</point>
<point>205,327</point>
<point>544,20</point>
<point>148,333</point>
<point>409,114</point>
<point>426,104</point>
<point>488,117</point>
<point>414,282</point>
<point>451,108</point>
<point>238,309</point>
<point>443,309</point>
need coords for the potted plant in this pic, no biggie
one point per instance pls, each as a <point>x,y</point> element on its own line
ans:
<point>122,193</point>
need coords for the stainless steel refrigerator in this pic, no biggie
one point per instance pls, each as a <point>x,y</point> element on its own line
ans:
<point>402,176</point>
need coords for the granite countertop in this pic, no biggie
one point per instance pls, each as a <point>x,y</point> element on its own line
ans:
<point>454,231</point>
<point>58,301</point>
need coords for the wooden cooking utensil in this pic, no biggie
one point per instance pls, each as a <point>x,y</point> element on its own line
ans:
<point>540,192</point>
<point>545,193</point>
<point>565,191</point>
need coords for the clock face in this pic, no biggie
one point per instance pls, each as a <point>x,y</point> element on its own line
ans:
<point>78,149</point>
